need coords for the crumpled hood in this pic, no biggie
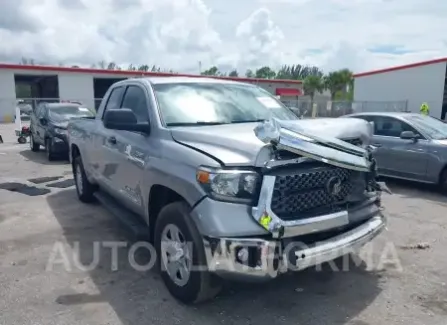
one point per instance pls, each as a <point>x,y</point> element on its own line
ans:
<point>239,145</point>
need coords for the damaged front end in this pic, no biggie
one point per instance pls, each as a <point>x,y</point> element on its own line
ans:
<point>324,183</point>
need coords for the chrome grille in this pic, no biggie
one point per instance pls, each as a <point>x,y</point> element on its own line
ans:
<point>355,142</point>
<point>304,192</point>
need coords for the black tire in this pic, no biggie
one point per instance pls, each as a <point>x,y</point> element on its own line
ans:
<point>201,285</point>
<point>33,145</point>
<point>49,150</point>
<point>84,188</point>
<point>443,181</point>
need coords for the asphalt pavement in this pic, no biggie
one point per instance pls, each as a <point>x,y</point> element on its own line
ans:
<point>48,239</point>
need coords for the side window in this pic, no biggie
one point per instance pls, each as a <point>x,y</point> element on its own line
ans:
<point>114,99</point>
<point>38,109</point>
<point>391,127</point>
<point>135,99</point>
<point>41,112</point>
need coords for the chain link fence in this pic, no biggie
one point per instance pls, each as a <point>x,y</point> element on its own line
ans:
<point>327,108</point>
<point>303,108</point>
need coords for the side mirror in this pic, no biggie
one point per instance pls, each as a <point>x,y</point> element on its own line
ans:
<point>408,135</point>
<point>124,119</point>
<point>43,121</point>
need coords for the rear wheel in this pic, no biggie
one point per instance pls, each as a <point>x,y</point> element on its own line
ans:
<point>182,257</point>
<point>33,145</point>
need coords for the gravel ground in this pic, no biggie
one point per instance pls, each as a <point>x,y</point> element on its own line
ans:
<point>403,283</point>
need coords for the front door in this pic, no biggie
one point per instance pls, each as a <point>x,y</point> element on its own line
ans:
<point>134,151</point>
<point>398,157</point>
<point>104,153</point>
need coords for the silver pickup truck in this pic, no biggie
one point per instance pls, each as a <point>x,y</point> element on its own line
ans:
<point>226,181</point>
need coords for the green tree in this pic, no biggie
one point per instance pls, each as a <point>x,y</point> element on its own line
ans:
<point>265,73</point>
<point>111,66</point>
<point>313,84</point>
<point>333,82</point>
<point>143,67</point>
<point>249,74</point>
<point>233,73</point>
<point>213,71</point>
<point>337,82</point>
<point>298,72</point>
<point>155,68</point>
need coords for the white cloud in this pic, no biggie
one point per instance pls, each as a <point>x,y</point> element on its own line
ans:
<point>245,34</point>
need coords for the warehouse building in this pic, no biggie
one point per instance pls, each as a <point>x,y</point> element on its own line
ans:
<point>414,83</point>
<point>88,86</point>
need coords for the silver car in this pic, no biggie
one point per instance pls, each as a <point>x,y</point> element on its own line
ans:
<point>409,146</point>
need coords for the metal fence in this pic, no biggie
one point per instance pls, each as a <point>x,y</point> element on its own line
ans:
<point>327,108</point>
<point>303,108</point>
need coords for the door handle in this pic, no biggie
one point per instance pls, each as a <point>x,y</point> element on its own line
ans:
<point>111,140</point>
<point>377,144</point>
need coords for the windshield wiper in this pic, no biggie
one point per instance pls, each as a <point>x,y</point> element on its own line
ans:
<point>195,123</point>
<point>247,121</point>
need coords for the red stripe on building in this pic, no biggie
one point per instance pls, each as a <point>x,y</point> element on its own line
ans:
<point>128,73</point>
<point>401,67</point>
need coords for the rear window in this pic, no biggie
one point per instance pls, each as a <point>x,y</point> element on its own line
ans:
<point>65,112</point>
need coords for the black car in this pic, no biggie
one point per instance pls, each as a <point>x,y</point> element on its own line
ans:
<point>48,126</point>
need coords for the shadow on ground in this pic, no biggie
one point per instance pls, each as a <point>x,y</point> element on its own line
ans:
<point>138,297</point>
<point>422,191</point>
<point>41,158</point>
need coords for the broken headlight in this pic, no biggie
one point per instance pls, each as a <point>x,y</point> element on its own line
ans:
<point>230,185</point>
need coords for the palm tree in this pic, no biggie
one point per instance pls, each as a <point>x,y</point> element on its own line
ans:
<point>311,85</point>
<point>333,82</point>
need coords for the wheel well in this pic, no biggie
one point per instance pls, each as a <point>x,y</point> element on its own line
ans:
<point>159,197</point>
<point>74,152</point>
<point>443,170</point>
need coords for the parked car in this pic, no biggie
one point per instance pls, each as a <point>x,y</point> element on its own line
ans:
<point>409,146</point>
<point>48,126</point>
<point>225,180</point>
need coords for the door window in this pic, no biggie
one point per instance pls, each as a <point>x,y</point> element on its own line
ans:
<point>42,111</point>
<point>391,127</point>
<point>114,100</point>
<point>135,99</point>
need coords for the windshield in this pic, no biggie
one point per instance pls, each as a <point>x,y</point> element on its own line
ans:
<point>64,113</point>
<point>217,103</point>
<point>434,128</point>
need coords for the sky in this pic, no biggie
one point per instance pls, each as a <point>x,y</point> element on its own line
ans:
<point>361,35</point>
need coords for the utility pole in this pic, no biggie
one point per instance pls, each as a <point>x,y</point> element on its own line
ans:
<point>200,67</point>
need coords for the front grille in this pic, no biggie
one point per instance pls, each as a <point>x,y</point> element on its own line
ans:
<point>355,142</point>
<point>305,191</point>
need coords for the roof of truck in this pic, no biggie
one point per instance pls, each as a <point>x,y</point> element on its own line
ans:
<point>167,80</point>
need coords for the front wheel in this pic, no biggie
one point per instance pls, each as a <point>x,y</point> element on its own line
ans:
<point>443,181</point>
<point>182,257</point>
<point>33,145</point>
<point>84,188</point>
<point>49,150</point>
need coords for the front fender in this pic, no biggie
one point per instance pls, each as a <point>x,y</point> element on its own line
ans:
<point>176,170</point>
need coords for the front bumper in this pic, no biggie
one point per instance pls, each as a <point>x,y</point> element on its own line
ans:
<point>271,258</point>
<point>59,144</point>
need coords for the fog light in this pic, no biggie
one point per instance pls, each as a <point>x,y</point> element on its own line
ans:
<point>242,255</point>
